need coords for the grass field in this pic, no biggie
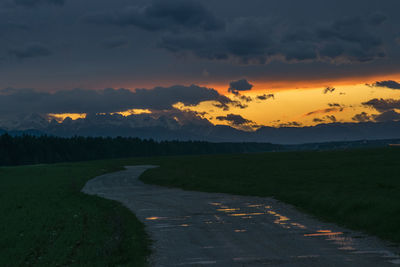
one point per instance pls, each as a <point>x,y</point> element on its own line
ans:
<point>359,189</point>
<point>46,221</point>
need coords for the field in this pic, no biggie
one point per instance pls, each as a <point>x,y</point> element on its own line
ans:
<point>46,220</point>
<point>359,189</point>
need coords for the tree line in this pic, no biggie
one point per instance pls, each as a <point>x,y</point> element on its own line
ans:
<point>27,149</point>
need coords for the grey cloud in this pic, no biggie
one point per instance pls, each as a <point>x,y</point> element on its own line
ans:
<point>361,117</point>
<point>162,15</point>
<point>317,120</point>
<point>115,43</point>
<point>33,3</point>
<point>234,119</point>
<point>265,96</point>
<point>260,41</point>
<point>377,19</point>
<point>30,50</point>
<point>332,118</point>
<point>388,84</point>
<point>236,87</point>
<point>329,90</point>
<point>383,105</point>
<point>389,115</point>
<point>105,101</point>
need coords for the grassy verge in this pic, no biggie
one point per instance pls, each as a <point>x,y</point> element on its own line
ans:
<point>47,221</point>
<point>359,189</point>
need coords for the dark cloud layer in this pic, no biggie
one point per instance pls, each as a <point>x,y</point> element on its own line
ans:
<point>33,3</point>
<point>162,15</point>
<point>104,101</point>
<point>258,41</point>
<point>30,50</point>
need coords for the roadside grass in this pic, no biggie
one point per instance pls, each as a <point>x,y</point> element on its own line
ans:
<point>47,221</point>
<point>358,189</point>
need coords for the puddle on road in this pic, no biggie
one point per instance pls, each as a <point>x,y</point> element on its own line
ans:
<point>340,239</point>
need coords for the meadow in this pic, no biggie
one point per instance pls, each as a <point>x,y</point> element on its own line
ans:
<point>46,220</point>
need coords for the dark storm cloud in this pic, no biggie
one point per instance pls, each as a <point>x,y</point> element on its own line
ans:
<point>33,3</point>
<point>260,41</point>
<point>162,15</point>
<point>388,84</point>
<point>115,43</point>
<point>30,50</point>
<point>235,87</point>
<point>389,115</point>
<point>332,118</point>
<point>383,105</point>
<point>377,19</point>
<point>104,101</point>
<point>234,119</point>
<point>361,117</point>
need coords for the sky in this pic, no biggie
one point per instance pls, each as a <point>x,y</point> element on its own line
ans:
<point>245,64</point>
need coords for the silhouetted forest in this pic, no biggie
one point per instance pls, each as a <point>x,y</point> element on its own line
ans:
<point>27,149</point>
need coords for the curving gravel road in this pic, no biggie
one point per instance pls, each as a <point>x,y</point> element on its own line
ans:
<point>207,229</point>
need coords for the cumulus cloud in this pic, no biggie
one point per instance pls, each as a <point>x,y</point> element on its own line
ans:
<point>162,15</point>
<point>388,84</point>
<point>105,101</point>
<point>238,86</point>
<point>383,105</point>
<point>30,50</point>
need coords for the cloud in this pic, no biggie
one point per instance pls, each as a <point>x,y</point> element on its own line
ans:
<point>162,15</point>
<point>260,41</point>
<point>389,115</point>
<point>105,101</point>
<point>115,43</point>
<point>329,90</point>
<point>33,3</point>
<point>383,105</point>
<point>234,119</point>
<point>361,117</point>
<point>30,50</point>
<point>377,19</point>
<point>323,111</point>
<point>290,124</point>
<point>388,84</point>
<point>265,96</point>
<point>236,87</point>
<point>332,118</point>
<point>317,120</point>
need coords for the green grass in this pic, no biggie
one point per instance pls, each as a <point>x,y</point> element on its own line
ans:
<point>47,221</point>
<point>359,189</point>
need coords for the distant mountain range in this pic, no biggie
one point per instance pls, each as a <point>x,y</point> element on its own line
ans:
<point>165,128</point>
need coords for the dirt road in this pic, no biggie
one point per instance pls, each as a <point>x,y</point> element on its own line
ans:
<point>207,229</point>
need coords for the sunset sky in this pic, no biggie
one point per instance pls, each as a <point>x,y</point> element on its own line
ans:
<point>245,64</point>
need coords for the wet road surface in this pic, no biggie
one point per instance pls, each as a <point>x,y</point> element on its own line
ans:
<point>208,229</point>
